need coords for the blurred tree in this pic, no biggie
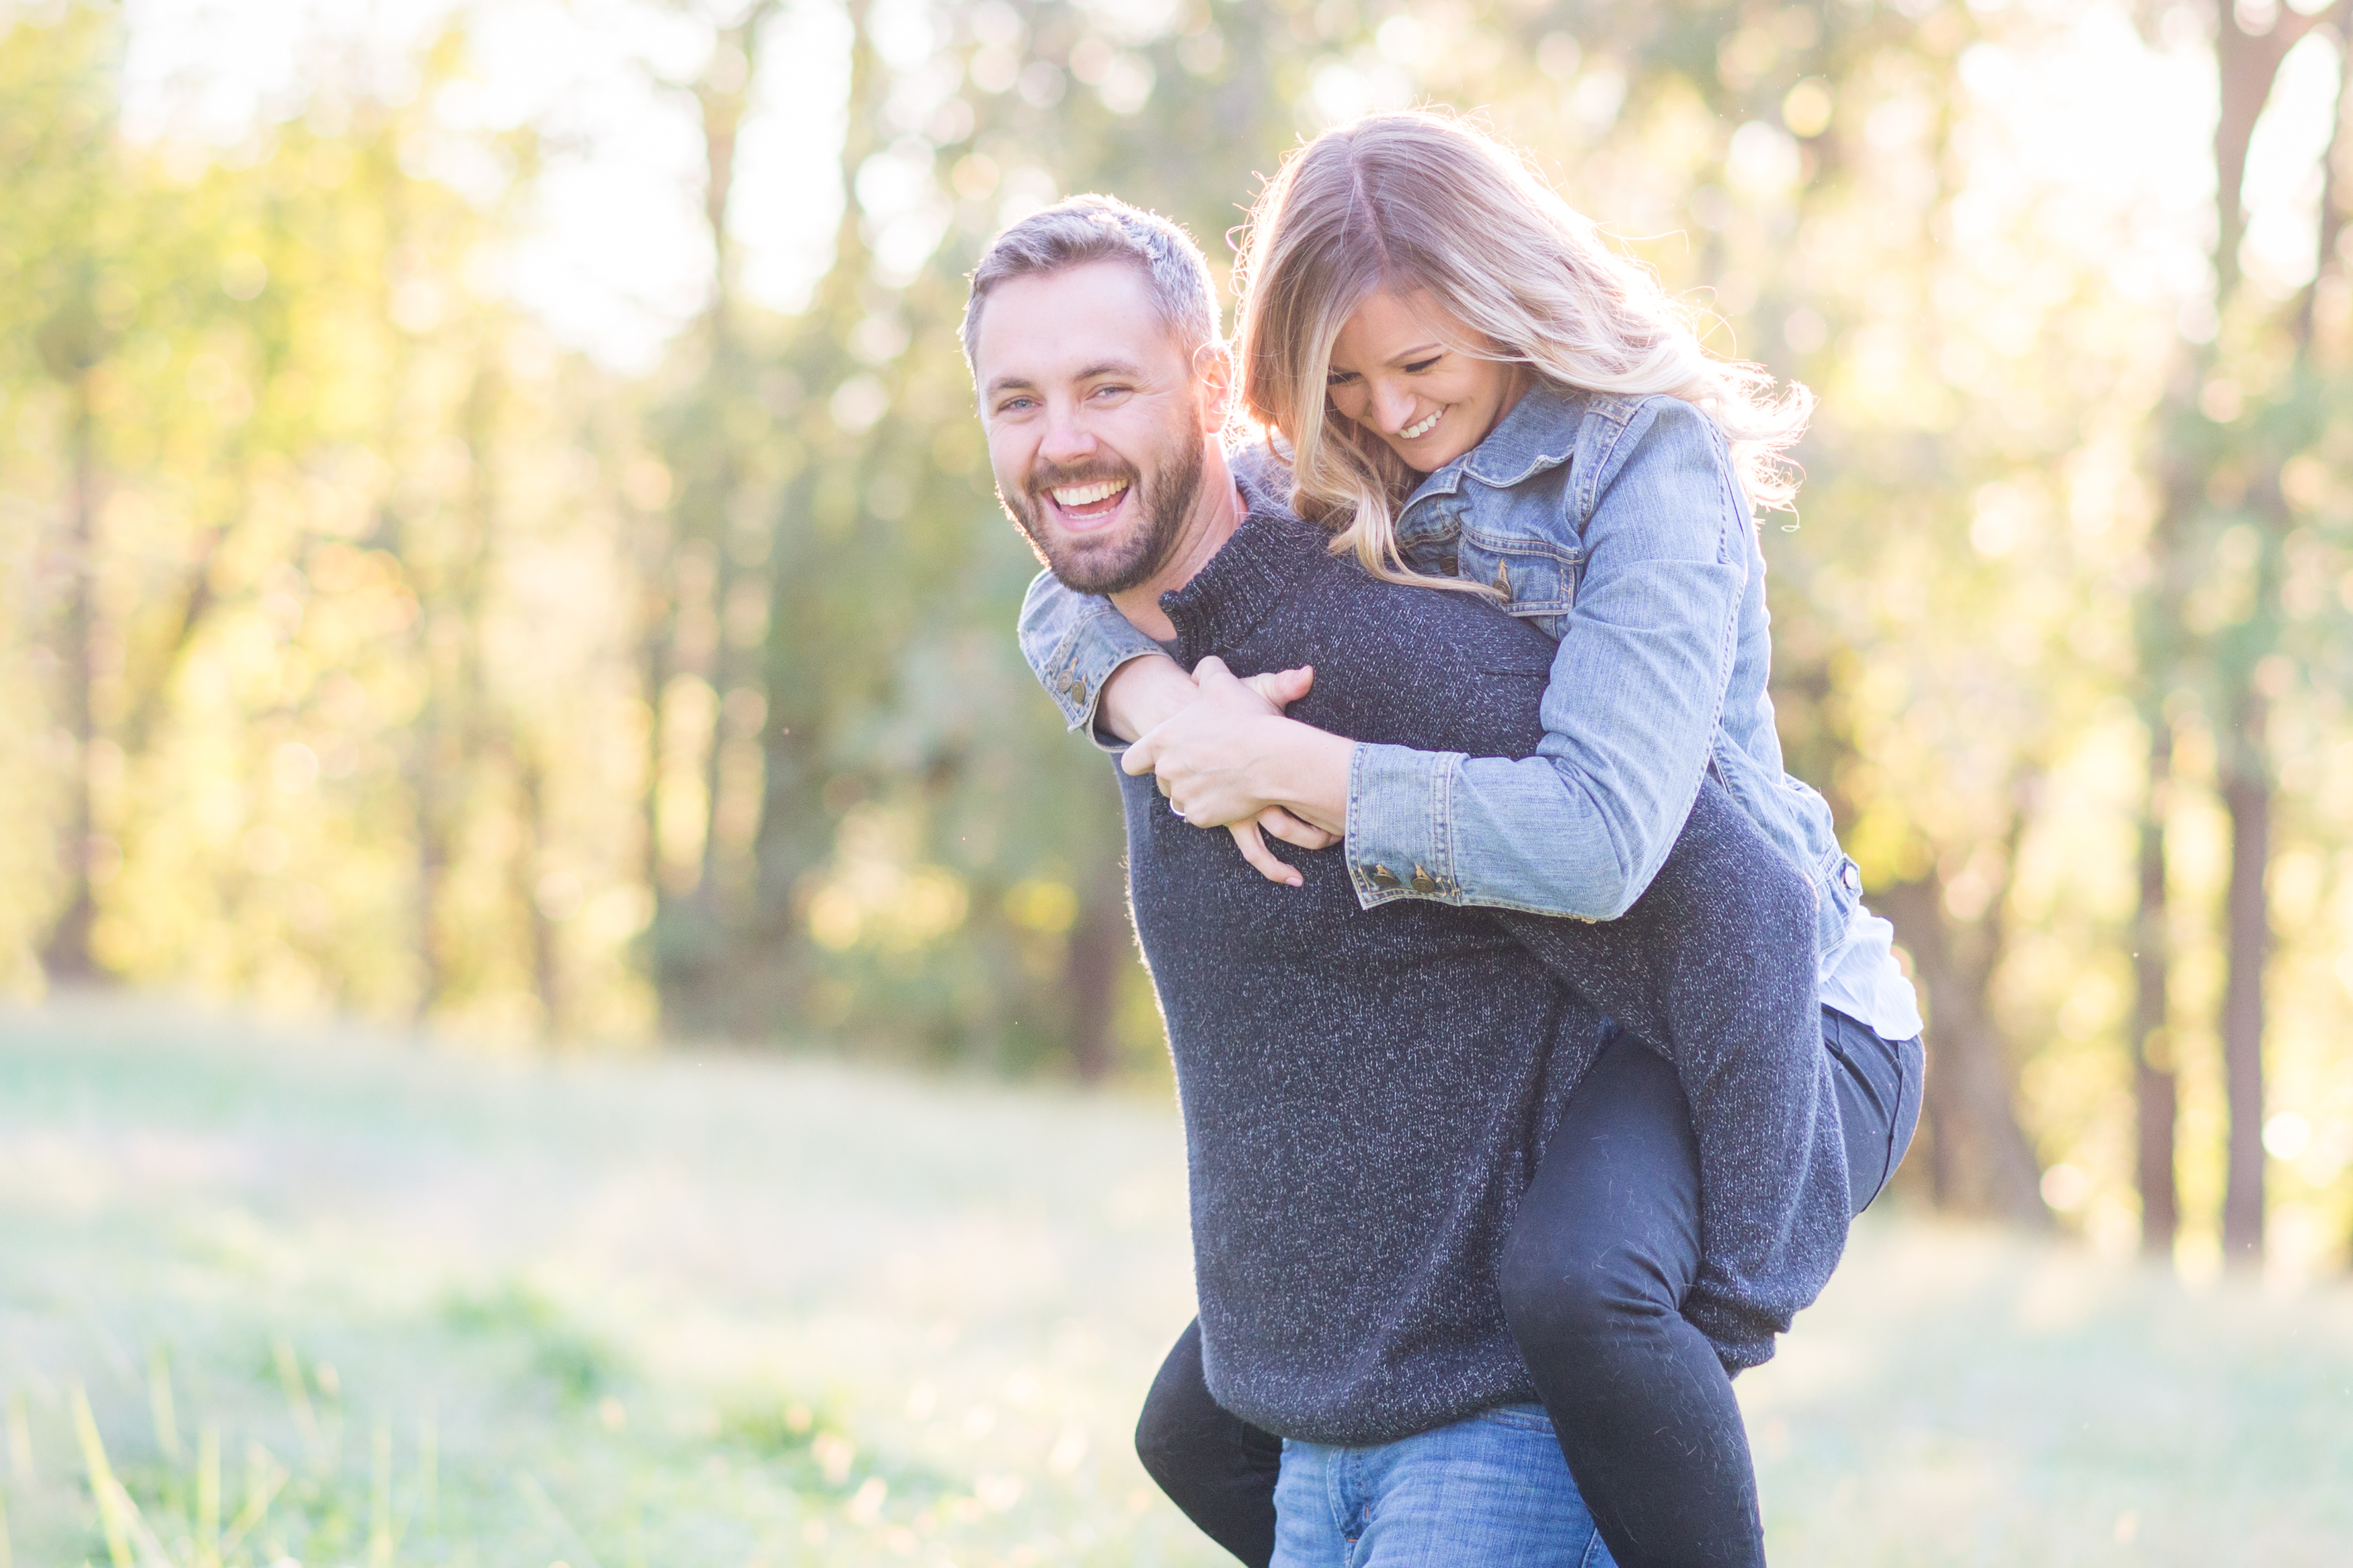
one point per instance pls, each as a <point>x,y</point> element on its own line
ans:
<point>391,659</point>
<point>60,135</point>
<point>2223,492</point>
<point>257,376</point>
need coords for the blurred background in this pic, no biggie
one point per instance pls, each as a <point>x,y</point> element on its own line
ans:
<point>495,549</point>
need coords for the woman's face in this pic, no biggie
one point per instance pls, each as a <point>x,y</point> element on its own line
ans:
<point>1393,373</point>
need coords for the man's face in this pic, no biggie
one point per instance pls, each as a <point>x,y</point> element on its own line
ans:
<point>1095,419</point>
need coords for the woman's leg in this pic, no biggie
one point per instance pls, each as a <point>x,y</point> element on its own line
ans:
<point>1604,1251</point>
<point>1878,1086</point>
<point>1217,1467</point>
<point>1603,1256</point>
<point>1714,968</point>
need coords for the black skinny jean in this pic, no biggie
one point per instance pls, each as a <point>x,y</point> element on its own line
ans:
<point>1604,1251</point>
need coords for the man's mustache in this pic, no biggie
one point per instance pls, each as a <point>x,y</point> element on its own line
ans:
<point>1047,477</point>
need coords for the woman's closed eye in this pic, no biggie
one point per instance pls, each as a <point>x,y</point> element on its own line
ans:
<point>1350,378</point>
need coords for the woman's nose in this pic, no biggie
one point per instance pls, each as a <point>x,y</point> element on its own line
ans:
<point>1392,407</point>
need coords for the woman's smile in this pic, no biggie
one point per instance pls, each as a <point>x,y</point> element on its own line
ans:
<point>1395,356</point>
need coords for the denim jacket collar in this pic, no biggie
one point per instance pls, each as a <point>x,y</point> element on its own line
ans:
<point>1540,433</point>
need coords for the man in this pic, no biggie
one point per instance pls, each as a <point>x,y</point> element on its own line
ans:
<point>1366,1094</point>
<point>1362,1093</point>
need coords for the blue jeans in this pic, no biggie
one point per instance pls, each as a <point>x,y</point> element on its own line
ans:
<point>1489,1492</point>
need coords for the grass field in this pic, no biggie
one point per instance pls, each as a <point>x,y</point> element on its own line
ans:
<point>342,1299</point>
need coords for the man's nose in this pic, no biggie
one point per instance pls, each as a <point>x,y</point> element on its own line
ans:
<point>1068,441</point>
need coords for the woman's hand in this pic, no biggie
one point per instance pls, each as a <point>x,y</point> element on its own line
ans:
<point>1145,693</point>
<point>1230,757</point>
<point>1249,839</point>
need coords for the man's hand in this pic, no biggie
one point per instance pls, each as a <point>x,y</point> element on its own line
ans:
<point>1231,760</point>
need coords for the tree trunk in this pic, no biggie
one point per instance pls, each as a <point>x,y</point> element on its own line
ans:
<point>2155,1091</point>
<point>2246,793</point>
<point>795,828</point>
<point>2247,64</point>
<point>66,956</point>
<point>1098,953</point>
<point>530,867</point>
<point>1979,1160</point>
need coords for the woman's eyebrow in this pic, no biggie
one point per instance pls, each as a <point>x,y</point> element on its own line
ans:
<point>1426,351</point>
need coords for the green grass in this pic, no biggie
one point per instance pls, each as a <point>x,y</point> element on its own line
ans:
<point>385,1304</point>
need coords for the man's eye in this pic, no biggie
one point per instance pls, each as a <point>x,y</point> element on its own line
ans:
<point>1015,406</point>
<point>1418,366</point>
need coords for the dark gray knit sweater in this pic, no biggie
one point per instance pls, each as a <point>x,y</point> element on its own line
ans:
<point>1365,1093</point>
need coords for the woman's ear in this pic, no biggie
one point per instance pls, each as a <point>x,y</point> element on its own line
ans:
<point>1213,366</point>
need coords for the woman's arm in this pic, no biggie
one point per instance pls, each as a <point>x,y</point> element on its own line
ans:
<point>1074,643</point>
<point>1116,683</point>
<point>1630,713</point>
<point>1230,755</point>
<point>1143,692</point>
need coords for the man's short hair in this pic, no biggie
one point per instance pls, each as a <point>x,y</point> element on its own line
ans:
<point>1088,228</point>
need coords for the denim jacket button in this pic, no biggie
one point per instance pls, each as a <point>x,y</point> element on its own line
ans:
<point>1384,877</point>
<point>1077,690</point>
<point>1422,882</point>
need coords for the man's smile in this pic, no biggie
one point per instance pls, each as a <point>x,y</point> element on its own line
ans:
<point>1089,507</point>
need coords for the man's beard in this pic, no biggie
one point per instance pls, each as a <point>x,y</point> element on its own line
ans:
<point>1100,564</point>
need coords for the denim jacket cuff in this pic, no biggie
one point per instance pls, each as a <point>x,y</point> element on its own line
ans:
<point>1096,646</point>
<point>1398,816</point>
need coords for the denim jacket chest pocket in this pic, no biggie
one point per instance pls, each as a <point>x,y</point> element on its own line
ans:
<point>1537,576</point>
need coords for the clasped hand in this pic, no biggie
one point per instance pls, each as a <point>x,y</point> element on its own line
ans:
<point>1231,759</point>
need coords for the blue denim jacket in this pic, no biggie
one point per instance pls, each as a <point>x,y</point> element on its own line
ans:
<point>1616,526</point>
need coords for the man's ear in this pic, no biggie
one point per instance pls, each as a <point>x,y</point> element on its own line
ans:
<point>1213,367</point>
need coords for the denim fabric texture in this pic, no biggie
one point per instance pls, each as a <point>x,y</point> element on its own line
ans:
<point>1488,1492</point>
<point>1880,1084</point>
<point>1614,525</point>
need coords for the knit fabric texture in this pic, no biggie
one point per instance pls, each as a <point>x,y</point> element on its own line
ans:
<point>1366,1094</point>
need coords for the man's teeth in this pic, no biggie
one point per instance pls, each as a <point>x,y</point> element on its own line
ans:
<point>1411,431</point>
<point>1087,495</point>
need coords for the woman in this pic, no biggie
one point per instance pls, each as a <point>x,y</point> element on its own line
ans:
<point>1476,393</point>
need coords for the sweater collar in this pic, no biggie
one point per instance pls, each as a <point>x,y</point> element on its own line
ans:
<point>1230,596</point>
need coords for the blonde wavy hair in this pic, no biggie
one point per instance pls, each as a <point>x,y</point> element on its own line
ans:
<point>1418,200</point>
